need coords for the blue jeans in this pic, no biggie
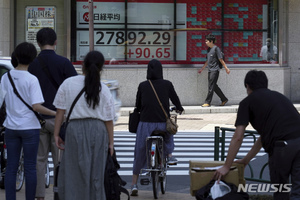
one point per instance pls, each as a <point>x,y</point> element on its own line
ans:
<point>15,140</point>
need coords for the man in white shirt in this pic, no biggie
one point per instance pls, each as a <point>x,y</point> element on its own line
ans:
<point>269,52</point>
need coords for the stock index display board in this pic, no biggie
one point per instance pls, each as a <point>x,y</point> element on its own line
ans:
<point>148,29</point>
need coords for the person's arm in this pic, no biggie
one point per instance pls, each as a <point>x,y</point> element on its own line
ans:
<point>138,99</point>
<point>225,66</point>
<point>175,99</point>
<point>234,147</point>
<point>110,129</point>
<point>59,118</point>
<point>42,109</point>
<point>252,153</point>
<point>200,70</point>
<point>261,51</point>
<point>274,53</point>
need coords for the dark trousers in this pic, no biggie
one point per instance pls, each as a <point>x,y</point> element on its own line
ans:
<point>283,164</point>
<point>213,87</point>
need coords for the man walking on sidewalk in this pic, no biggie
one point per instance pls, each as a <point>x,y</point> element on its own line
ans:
<point>214,58</point>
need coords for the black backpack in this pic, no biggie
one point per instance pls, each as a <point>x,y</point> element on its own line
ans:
<point>113,183</point>
<point>204,193</point>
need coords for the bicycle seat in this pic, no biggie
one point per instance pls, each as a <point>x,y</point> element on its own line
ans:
<point>158,133</point>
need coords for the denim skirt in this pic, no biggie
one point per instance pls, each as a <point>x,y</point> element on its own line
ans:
<point>144,130</point>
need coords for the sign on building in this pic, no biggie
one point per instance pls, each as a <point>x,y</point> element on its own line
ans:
<point>38,17</point>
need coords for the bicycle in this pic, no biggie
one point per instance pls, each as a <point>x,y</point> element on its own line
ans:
<point>3,155</point>
<point>20,173</point>
<point>157,164</point>
<point>47,175</point>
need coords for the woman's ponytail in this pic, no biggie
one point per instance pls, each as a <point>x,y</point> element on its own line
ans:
<point>92,66</point>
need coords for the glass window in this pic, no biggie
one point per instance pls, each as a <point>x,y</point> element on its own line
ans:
<point>135,31</point>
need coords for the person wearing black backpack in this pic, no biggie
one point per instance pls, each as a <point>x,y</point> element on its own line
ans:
<point>89,134</point>
<point>215,62</point>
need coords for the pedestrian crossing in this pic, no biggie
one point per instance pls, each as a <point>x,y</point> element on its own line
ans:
<point>188,146</point>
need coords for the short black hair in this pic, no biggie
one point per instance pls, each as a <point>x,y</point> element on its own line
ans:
<point>25,53</point>
<point>14,60</point>
<point>256,80</point>
<point>46,36</point>
<point>211,38</point>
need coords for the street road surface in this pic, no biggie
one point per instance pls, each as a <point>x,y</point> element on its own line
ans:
<point>188,146</point>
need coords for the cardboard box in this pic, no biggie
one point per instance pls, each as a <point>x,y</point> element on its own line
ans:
<point>202,176</point>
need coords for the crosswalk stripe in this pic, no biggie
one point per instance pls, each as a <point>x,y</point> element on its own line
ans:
<point>188,146</point>
<point>169,172</point>
<point>185,149</point>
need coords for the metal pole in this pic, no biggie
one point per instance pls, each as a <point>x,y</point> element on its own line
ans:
<point>217,140</point>
<point>223,145</point>
<point>91,24</point>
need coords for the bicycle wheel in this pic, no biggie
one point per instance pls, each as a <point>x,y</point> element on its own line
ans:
<point>20,173</point>
<point>2,160</point>
<point>155,183</point>
<point>2,168</point>
<point>47,176</point>
<point>163,182</point>
<point>2,183</point>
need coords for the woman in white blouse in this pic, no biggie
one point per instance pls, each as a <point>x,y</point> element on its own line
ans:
<point>89,133</point>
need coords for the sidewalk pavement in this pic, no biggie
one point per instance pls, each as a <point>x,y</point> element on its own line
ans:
<point>195,118</point>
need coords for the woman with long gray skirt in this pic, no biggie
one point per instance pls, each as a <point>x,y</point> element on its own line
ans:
<point>89,133</point>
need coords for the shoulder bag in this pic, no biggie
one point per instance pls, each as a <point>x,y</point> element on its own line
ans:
<point>171,122</point>
<point>39,117</point>
<point>63,128</point>
<point>134,119</point>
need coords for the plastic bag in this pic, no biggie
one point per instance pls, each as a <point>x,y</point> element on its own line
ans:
<point>219,189</point>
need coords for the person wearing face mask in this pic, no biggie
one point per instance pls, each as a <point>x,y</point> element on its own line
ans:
<point>214,57</point>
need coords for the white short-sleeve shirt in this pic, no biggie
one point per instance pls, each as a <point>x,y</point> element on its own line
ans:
<point>264,52</point>
<point>19,117</point>
<point>68,91</point>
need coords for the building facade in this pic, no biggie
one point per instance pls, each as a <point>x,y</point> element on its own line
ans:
<point>253,34</point>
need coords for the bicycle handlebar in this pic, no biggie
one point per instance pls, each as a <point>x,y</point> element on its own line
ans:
<point>175,109</point>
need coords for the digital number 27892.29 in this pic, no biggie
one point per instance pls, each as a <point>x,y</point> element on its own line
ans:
<point>141,38</point>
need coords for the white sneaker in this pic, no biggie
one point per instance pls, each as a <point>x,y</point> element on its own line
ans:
<point>134,190</point>
<point>172,160</point>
